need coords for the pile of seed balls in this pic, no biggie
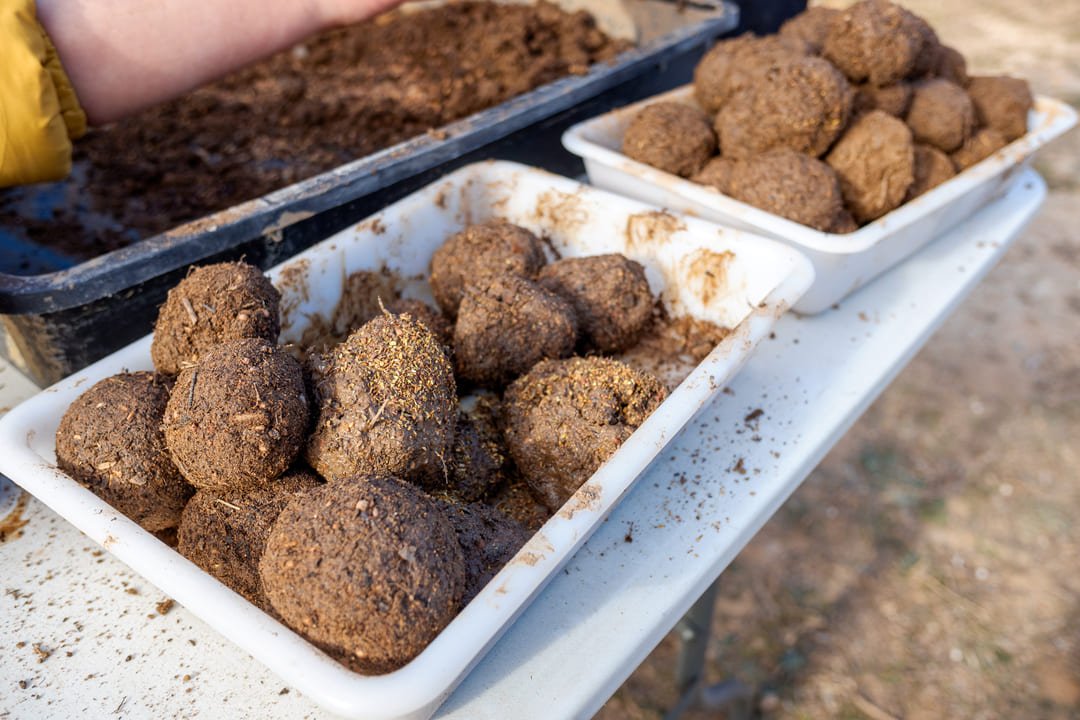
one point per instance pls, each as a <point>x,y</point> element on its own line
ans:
<point>840,118</point>
<point>348,492</point>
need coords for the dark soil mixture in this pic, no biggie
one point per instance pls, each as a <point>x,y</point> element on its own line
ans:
<point>339,97</point>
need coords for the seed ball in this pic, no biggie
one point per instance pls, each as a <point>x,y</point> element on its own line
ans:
<point>810,26</point>
<point>875,41</point>
<point>1002,103</point>
<point>978,147</point>
<point>488,541</point>
<point>672,137</point>
<point>784,182</point>
<point>226,536</point>
<point>237,419</point>
<point>495,247</point>
<point>213,304</point>
<point>735,64</point>
<point>800,105</point>
<point>369,568</point>
<point>566,417</point>
<point>609,294</point>
<point>932,167</point>
<point>941,114</point>
<point>875,162</point>
<point>110,441</point>
<point>508,324</point>
<point>387,404</point>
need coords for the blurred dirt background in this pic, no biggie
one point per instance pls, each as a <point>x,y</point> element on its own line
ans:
<point>930,567</point>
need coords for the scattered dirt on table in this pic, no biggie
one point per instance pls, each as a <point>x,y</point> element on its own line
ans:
<point>164,606</point>
<point>12,525</point>
<point>339,97</point>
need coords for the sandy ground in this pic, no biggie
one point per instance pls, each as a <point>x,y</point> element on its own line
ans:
<point>929,567</point>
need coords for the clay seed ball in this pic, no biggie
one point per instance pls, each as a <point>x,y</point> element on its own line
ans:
<point>508,324</point>
<point>477,459</point>
<point>941,114</point>
<point>951,66</point>
<point>213,304</point>
<point>786,183</point>
<point>110,441</point>
<point>800,105</point>
<point>237,419</point>
<point>566,417</point>
<point>673,137</point>
<point>495,247</point>
<point>930,52</point>
<point>932,167</point>
<point>226,535</point>
<point>609,294</point>
<point>875,162</point>
<point>843,223</point>
<point>1002,103</point>
<point>810,26</point>
<point>387,404</point>
<point>488,541</point>
<point>874,41</point>
<point>894,99</point>
<point>369,569</point>
<point>978,147</point>
<point>732,65</point>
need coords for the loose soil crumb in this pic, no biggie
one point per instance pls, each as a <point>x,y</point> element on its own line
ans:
<point>165,606</point>
<point>12,525</point>
<point>341,96</point>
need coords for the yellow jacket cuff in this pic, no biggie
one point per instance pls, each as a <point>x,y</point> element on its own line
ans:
<point>39,112</point>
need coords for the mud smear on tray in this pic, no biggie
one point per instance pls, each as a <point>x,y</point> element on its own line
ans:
<point>339,97</point>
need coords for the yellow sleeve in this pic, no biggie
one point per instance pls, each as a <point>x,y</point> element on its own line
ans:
<point>39,113</point>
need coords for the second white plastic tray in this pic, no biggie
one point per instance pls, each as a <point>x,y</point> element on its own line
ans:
<point>843,263</point>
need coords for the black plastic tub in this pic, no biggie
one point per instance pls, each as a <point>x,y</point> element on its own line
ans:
<point>58,322</point>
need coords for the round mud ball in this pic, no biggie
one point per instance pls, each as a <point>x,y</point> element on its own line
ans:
<point>875,41</point>
<point>369,569</point>
<point>784,182</point>
<point>941,114</point>
<point>609,294</point>
<point>508,324</point>
<point>1002,103</point>
<point>213,304</point>
<point>226,535</point>
<point>517,501</point>
<point>488,541</point>
<point>495,247</point>
<point>875,161</point>
<point>566,417</point>
<point>478,457</point>
<point>978,147</point>
<point>810,26</point>
<point>237,419</point>
<point>427,316</point>
<point>387,404</point>
<point>733,65</point>
<point>930,51</point>
<point>110,441</point>
<point>893,99</point>
<point>951,66</point>
<point>672,137</point>
<point>932,167</point>
<point>801,105</point>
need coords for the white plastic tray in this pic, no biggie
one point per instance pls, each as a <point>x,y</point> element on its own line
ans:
<point>842,263</point>
<point>682,261</point>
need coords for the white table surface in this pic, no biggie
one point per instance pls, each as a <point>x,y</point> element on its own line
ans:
<point>106,651</point>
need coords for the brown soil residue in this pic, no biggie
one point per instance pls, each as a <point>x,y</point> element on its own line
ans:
<point>673,347</point>
<point>339,97</point>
